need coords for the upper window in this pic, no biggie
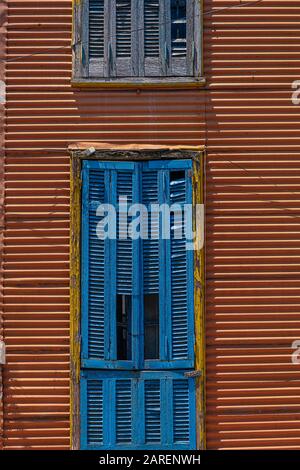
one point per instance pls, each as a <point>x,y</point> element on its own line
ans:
<point>137,41</point>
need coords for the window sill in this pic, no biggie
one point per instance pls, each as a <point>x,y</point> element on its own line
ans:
<point>176,82</point>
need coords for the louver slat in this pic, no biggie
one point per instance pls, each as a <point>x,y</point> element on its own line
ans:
<point>94,412</point>
<point>151,244</point>
<point>96,272</point>
<point>123,411</point>
<point>179,272</point>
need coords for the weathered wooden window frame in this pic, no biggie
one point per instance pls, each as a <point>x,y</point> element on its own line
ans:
<point>81,75</point>
<point>78,154</point>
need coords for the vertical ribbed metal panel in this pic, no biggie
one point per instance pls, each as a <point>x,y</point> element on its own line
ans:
<point>252,206</point>
<point>251,128</point>
<point>3,11</point>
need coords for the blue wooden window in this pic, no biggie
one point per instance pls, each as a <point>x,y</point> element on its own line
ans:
<point>137,295</point>
<point>137,410</point>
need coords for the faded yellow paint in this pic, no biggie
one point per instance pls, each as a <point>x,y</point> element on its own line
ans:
<point>199,280</point>
<point>75,300</point>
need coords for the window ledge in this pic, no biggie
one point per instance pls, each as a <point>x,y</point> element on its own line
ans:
<point>171,82</point>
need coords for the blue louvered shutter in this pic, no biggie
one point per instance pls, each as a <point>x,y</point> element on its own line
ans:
<point>110,277</point>
<point>94,253</point>
<point>151,410</point>
<point>180,271</point>
<point>168,267</point>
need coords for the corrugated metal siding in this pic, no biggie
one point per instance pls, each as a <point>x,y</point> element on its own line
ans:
<point>2,125</point>
<point>251,128</point>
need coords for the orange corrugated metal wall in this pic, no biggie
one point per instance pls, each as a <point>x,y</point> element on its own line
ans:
<point>2,124</point>
<point>246,119</point>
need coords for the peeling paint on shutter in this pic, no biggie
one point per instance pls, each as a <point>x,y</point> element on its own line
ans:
<point>123,36</point>
<point>96,29</point>
<point>151,38</point>
<point>95,267</point>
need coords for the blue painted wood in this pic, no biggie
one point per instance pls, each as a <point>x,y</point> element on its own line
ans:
<point>168,164</point>
<point>166,265</point>
<point>176,273</point>
<point>106,265</point>
<point>108,165</point>
<point>140,410</point>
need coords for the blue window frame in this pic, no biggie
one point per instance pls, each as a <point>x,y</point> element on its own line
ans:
<point>140,290</point>
<point>144,410</point>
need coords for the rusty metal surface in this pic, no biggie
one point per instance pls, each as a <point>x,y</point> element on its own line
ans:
<point>246,119</point>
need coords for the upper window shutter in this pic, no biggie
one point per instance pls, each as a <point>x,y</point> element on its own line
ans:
<point>152,38</point>
<point>180,24</point>
<point>96,38</point>
<point>123,34</point>
<point>153,410</point>
<point>116,40</point>
<point>94,342</point>
<point>108,268</point>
